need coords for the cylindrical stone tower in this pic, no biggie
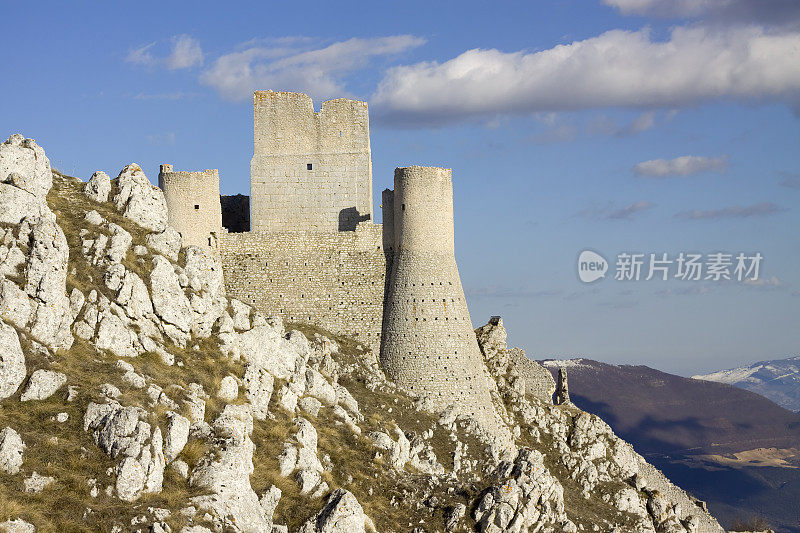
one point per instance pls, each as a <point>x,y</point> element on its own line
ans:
<point>428,344</point>
<point>193,204</point>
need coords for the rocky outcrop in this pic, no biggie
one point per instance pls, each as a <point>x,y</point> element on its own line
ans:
<point>341,514</point>
<point>11,451</point>
<point>512,364</point>
<point>138,200</point>
<point>122,433</point>
<point>225,472</point>
<point>42,384</point>
<point>98,187</point>
<point>28,164</point>
<point>12,361</point>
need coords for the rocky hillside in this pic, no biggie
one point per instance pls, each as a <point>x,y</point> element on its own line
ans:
<point>135,396</point>
<point>778,380</point>
<point>734,449</point>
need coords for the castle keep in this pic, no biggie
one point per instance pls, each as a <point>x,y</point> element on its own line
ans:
<point>313,253</point>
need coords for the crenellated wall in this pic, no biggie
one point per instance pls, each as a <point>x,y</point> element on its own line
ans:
<point>310,170</point>
<point>333,279</point>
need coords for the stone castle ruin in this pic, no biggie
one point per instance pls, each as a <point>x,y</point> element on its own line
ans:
<point>313,253</point>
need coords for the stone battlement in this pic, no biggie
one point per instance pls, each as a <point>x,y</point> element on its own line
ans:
<point>313,254</point>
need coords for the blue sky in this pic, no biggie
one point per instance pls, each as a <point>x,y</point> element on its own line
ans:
<point>644,126</point>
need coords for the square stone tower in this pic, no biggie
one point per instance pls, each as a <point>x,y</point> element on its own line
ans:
<point>310,170</point>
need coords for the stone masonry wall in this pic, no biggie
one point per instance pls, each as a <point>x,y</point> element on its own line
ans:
<point>193,203</point>
<point>333,279</point>
<point>310,171</point>
<point>429,345</point>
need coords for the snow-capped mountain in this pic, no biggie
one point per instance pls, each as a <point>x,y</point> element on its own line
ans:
<point>778,380</point>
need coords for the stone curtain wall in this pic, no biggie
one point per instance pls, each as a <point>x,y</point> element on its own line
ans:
<point>429,345</point>
<point>333,279</point>
<point>335,193</point>
<point>193,203</point>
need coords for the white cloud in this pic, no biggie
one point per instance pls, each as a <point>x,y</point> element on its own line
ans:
<point>602,124</point>
<point>669,8</point>
<point>770,282</point>
<point>293,66</point>
<point>610,212</point>
<point>162,139</point>
<point>616,69</point>
<point>186,52</point>
<point>680,166</point>
<point>736,211</point>
<point>141,55</point>
<point>777,12</point>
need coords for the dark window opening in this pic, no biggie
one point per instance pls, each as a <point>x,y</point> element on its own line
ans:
<point>196,207</point>
<point>309,166</point>
<point>403,207</point>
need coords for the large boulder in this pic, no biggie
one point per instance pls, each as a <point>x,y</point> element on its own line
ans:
<point>341,514</point>
<point>27,160</point>
<point>11,451</point>
<point>169,300</point>
<point>15,307</point>
<point>120,432</point>
<point>98,187</point>
<point>225,472</point>
<point>17,204</point>
<point>139,200</point>
<point>46,278</point>
<point>42,385</point>
<point>12,361</point>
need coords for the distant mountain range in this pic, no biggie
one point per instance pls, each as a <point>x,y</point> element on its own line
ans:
<point>778,380</point>
<point>735,449</point>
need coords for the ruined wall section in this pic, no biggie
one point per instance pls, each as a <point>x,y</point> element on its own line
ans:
<point>310,171</point>
<point>429,345</point>
<point>331,279</point>
<point>193,203</point>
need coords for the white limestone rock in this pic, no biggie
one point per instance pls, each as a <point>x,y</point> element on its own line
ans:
<point>269,501</point>
<point>341,514</point>
<point>17,526</point>
<point>17,204</point>
<point>258,385</point>
<point>12,258</point>
<point>166,243</point>
<point>225,472</point>
<point>177,436</point>
<point>28,160</point>
<point>203,269</point>
<point>12,361</point>
<point>113,335</point>
<point>169,300</point>
<point>11,451</point>
<point>266,346</point>
<point>98,187</point>
<point>241,315</point>
<point>36,483</point>
<point>228,389</point>
<point>46,275</point>
<point>318,387</point>
<point>139,200</point>
<point>15,307</point>
<point>43,384</point>
<point>310,405</point>
<point>119,244</point>
<point>119,432</point>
